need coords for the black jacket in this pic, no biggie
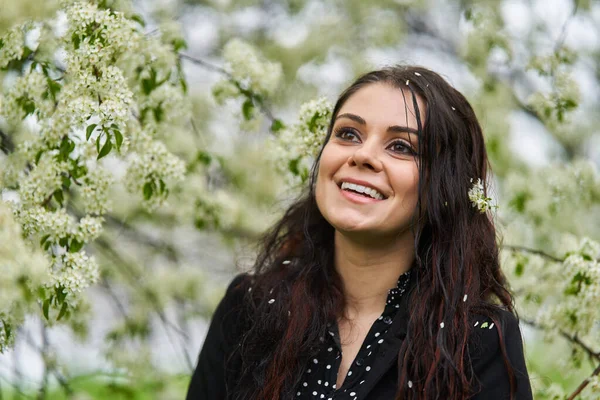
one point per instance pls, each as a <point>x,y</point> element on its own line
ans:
<point>212,377</point>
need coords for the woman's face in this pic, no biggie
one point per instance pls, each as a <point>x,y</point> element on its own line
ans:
<point>372,149</point>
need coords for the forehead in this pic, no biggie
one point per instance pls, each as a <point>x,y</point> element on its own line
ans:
<point>384,104</point>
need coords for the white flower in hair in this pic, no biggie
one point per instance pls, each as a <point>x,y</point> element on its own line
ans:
<point>478,198</point>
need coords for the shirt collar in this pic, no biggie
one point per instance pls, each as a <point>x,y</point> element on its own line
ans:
<point>396,293</point>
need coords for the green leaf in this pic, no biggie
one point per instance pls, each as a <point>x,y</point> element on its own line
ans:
<point>75,246</point>
<point>468,14</point>
<point>66,182</point>
<point>46,307</point>
<point>179,44</point>
<point>293,166</point>
<point>158,113</point>
<point>38,156</point>
<point>204,157</point>
<point>118,138</point>
<point>138,18</point>
<point>277,125</point>
<point>66,147</point>
<point>148,190</point>
<point>60,295</point>
<point>63,241</point>
<point>149,84</point>
<point>89,130</point>
<point>63,311</point>
<point>53,88</point>
<point>44,239</point>
<point>519,268</point>
<point>163,186</point>
<point>106,148</point>
<point>76,40</point>
<point>59,196</point>
<point>312,124</point>
<point>248,109</point>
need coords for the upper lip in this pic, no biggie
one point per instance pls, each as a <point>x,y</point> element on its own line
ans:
<point>362,183</point>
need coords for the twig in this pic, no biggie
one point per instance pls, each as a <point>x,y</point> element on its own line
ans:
<point>583,384</point>
<point>206,65</point>
<point>532,251</point>
<point>62,380</point>
<point>135,279</point>
<point>255,99</point>
<point>18,376</point>
<point>44,350</point>
<point>140,236</point>
<point>563,32</point>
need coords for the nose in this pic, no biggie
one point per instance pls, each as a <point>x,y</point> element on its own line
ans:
<point>366,156</point>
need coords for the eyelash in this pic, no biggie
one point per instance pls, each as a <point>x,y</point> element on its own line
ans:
<point>339,132</point>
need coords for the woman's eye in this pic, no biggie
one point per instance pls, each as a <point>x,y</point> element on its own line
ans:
<point>347,134</point>
<point>401,147</point>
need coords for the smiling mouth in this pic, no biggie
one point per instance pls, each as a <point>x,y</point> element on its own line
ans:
<point>360,190</point>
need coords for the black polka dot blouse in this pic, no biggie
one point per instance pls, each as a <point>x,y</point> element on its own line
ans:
<point>319,380</point>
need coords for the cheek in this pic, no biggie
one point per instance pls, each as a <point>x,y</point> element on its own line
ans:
<point>407,187</point>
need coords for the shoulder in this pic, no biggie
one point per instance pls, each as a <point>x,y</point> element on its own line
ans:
<point>228,318</point>
<point>495,343</point>
<point>492,335</point>
<point>489,330</point>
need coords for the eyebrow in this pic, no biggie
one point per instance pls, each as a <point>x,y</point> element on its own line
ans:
<point>393,128</point>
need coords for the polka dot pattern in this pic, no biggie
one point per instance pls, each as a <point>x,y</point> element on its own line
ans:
<point>319,380</point>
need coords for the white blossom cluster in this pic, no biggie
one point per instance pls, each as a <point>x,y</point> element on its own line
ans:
<point>12,45</point>
<point>555,194</point>
<point>554,107</point>
<point>478,198</point>
<point>172,103</point>
<point>83,90</point>
<point>95,191</point>
<point>112,35</point>
<point>251,78</point>
<point>74,272</point>
<point>29,90</point>
<point>36,222</point>
<point>88,229</point>
<point>295,148</point>
<point>44,178</point>
<point>578,311</point>
<point>79,98</point>
<point>249,69</point>
<point>153,165</point>
<point>22,268</point>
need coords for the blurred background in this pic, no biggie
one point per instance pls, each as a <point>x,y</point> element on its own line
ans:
<point>530,68</point>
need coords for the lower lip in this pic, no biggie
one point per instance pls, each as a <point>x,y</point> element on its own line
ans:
<point>357,198</point>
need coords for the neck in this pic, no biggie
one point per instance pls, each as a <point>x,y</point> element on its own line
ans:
<point>368,271</point>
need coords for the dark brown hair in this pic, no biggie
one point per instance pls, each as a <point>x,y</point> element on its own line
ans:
<point>456,255</point>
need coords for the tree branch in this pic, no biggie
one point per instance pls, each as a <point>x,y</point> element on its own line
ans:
<point>583,384</point>
<point>255,98</point>
<point>532,251</point>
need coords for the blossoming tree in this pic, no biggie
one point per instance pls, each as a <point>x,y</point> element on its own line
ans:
<point>106,146</point>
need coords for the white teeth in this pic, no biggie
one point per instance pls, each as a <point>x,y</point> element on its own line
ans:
<point>362,189</point>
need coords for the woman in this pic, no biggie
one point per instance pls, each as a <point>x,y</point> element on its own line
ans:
<point>383,280</point>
